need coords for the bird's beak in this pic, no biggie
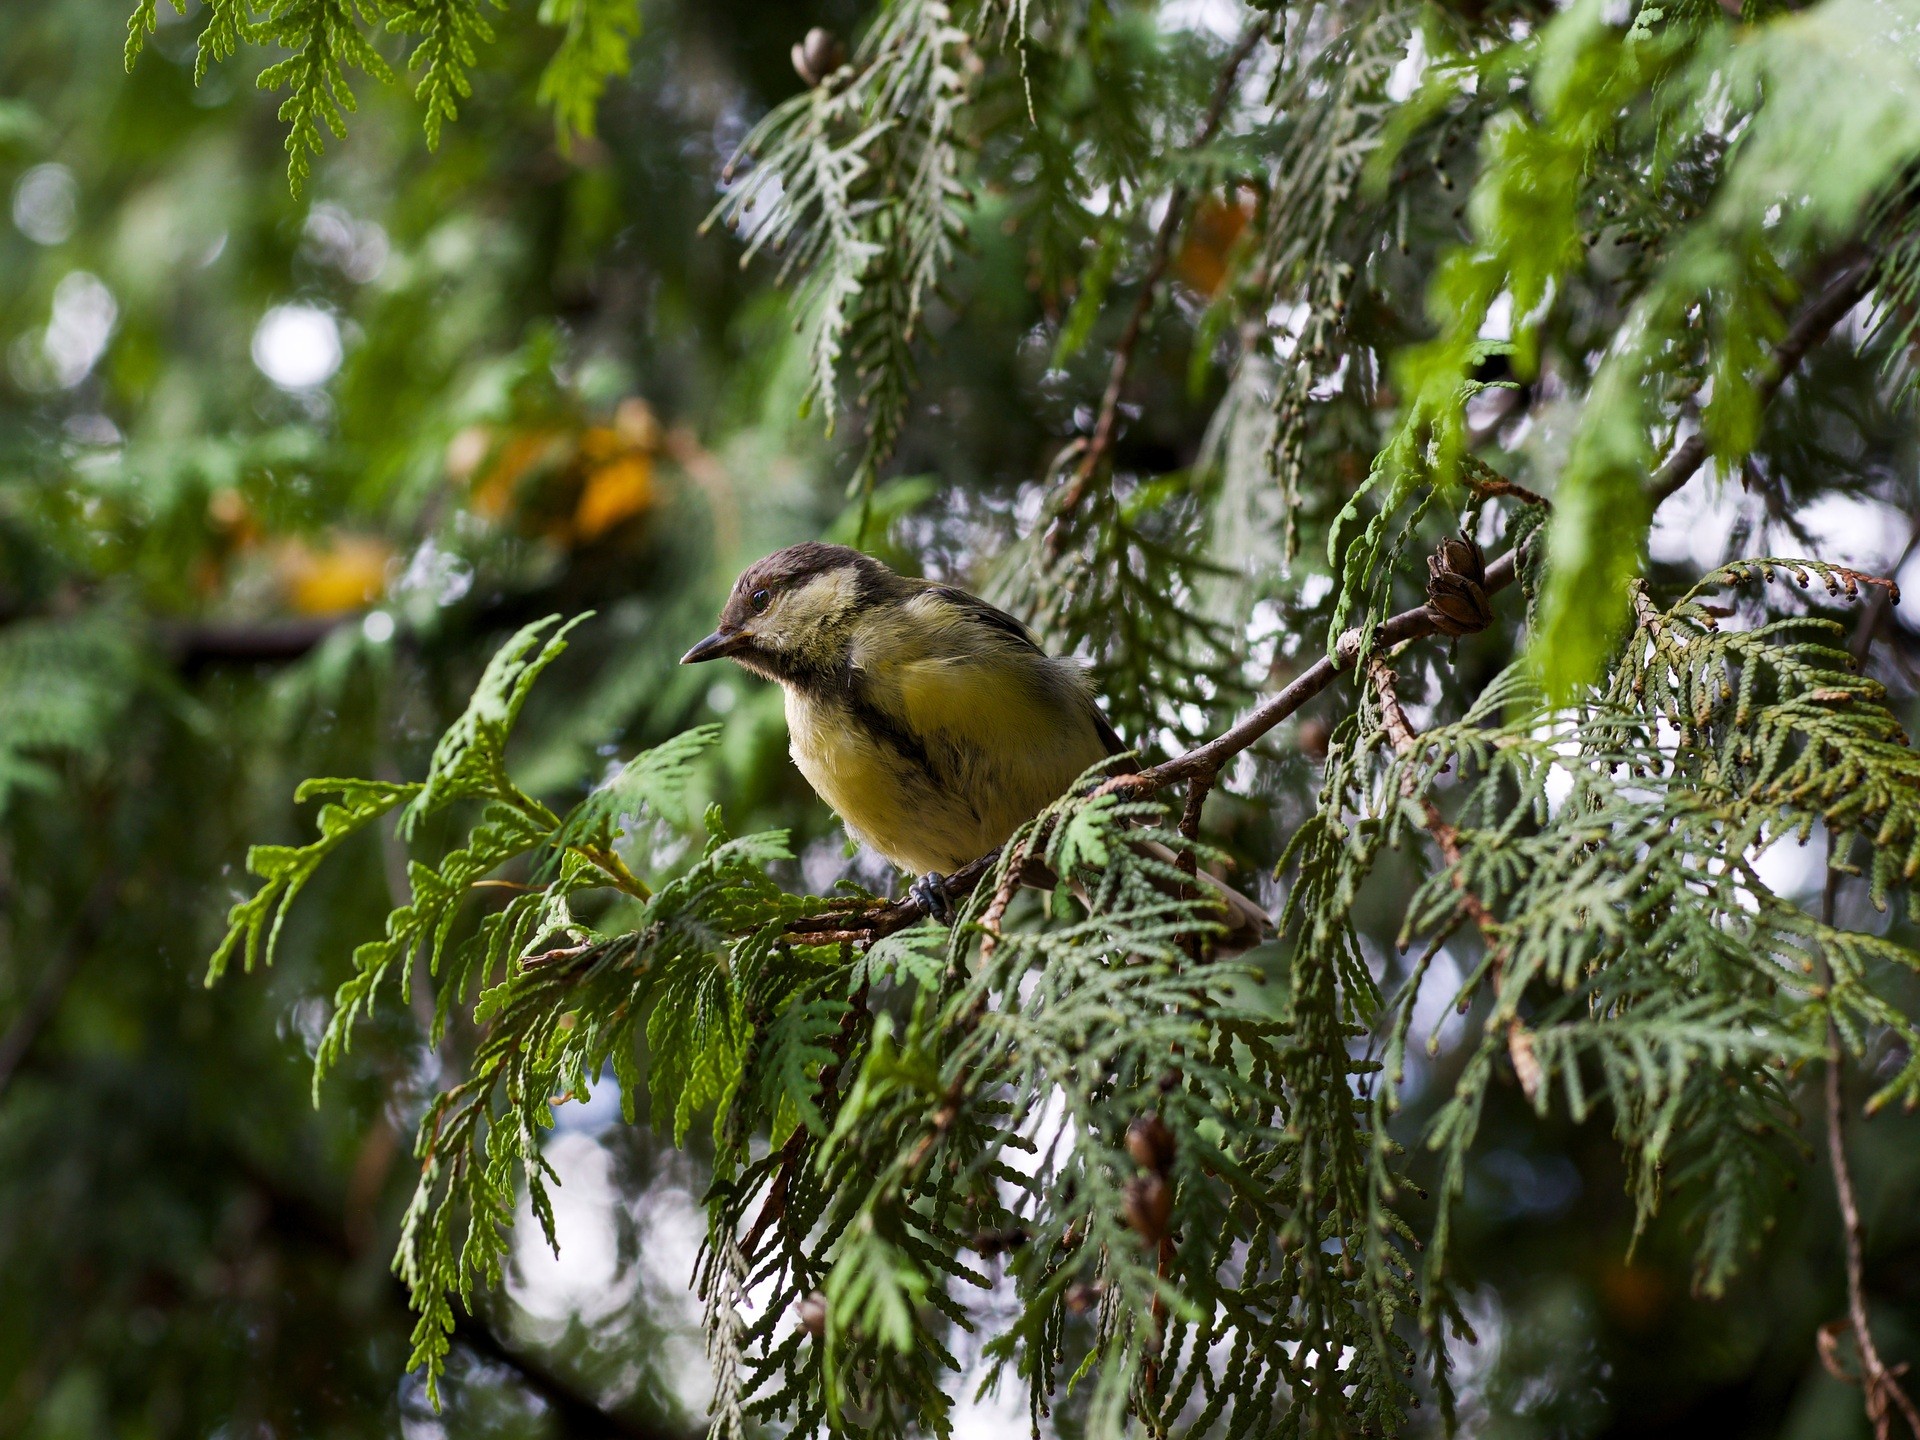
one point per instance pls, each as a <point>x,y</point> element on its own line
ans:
<point>715,646</point>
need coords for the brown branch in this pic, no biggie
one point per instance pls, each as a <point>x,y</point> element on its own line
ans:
<point>579,1416</point>
<point>888,917</point>
<point>295,1215</point>
<point>1107,423</point>
<point>1003,897</point>
<point>1197,790</point>
<point>1884,597</point>
<point>1488,484</point>
<point>1877,1380</point>
<point>196,646</point>
<point>1405,740</point>
<point>1843,284</point>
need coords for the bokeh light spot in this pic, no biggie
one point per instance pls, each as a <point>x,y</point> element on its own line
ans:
<point>297,347</point>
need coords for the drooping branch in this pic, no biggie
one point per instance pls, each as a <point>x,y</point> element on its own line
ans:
<point>296,1215</point>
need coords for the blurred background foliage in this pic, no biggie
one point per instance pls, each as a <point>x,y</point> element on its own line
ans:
<point>279,470</point>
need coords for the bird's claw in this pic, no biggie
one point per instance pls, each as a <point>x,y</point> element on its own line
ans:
<point>930,893</point>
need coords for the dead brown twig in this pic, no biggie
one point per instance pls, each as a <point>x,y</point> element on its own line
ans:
<point>1405,741</point>
<point>795,1148</point>
<point>1877,1380</point>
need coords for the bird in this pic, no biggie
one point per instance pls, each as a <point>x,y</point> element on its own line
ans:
<point>930,721</point>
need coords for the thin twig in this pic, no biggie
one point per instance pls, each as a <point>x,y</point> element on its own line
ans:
<point>1003,897</point>
<point>1490,485</point>
<point>1876,1379</point>
<point>1107,423</point>
<point>1880,601</point>
<point>1405,740</point>
<point>1844,284</point>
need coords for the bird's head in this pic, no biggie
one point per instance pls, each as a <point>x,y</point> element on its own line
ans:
<point>791,616</point>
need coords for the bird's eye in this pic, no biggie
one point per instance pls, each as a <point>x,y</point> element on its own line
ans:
<point>759,600</point>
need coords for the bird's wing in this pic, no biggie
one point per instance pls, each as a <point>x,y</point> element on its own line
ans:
<point>993,616</point>
<point>986,614</point>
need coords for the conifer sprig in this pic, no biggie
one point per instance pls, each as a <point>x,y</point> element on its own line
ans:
<point>859,185</point>
<point>328,39</point>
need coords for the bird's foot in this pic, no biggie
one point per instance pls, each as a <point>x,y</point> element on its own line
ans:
<point>930,893</point>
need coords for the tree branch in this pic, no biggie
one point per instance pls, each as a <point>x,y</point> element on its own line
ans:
<point>1847,281</point>
<point>580,1416</point>
<point>1843,284</point>
<point>1877,1381</point>
<point>198,645</point>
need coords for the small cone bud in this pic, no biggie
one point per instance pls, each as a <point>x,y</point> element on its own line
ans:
<point>1150,1143</point>
<point>812,1311</point>
<point>818,55</point>
<point>1148,1205</point>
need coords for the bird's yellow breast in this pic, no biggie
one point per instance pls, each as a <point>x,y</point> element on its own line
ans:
<point>944,740</point>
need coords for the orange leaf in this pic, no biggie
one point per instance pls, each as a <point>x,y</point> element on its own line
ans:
<point>346,573</point>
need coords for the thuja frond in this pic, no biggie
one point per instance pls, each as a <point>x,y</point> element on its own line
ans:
<point>860,190</point>
<point>228,23</point>
<point>556,1001</point>
<point>326,39</point>
<point>1315,240</point>
<point>1182,1169</point>
<point>1784,72</point>
<point>1130,592</point>
<point>1064,1083</point>
<point>1713,118</point>
<point>253,924</point>
<point>450,34</point>
<point>1632,955</point>
<point>64,684</point>
<point>1779,717</point>
<point>596,42</point>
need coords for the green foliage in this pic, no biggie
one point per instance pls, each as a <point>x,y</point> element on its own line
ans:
<point>554,1017</point>
<point>862,183</point>
<point>451,33</point>
<point>1131,592</point>
<point>329,38</point>
<point>899,1156</point>
<point>253,924</point>
<point>596,44</point>
<point>1324,290</point>
<point>325,38</point>
<point>992,1118</point>
<point>64,686</point>
<point>1316,239</point>
<point>1631,952</point>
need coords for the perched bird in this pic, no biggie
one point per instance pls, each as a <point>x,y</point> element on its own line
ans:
<point>929,720</point>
